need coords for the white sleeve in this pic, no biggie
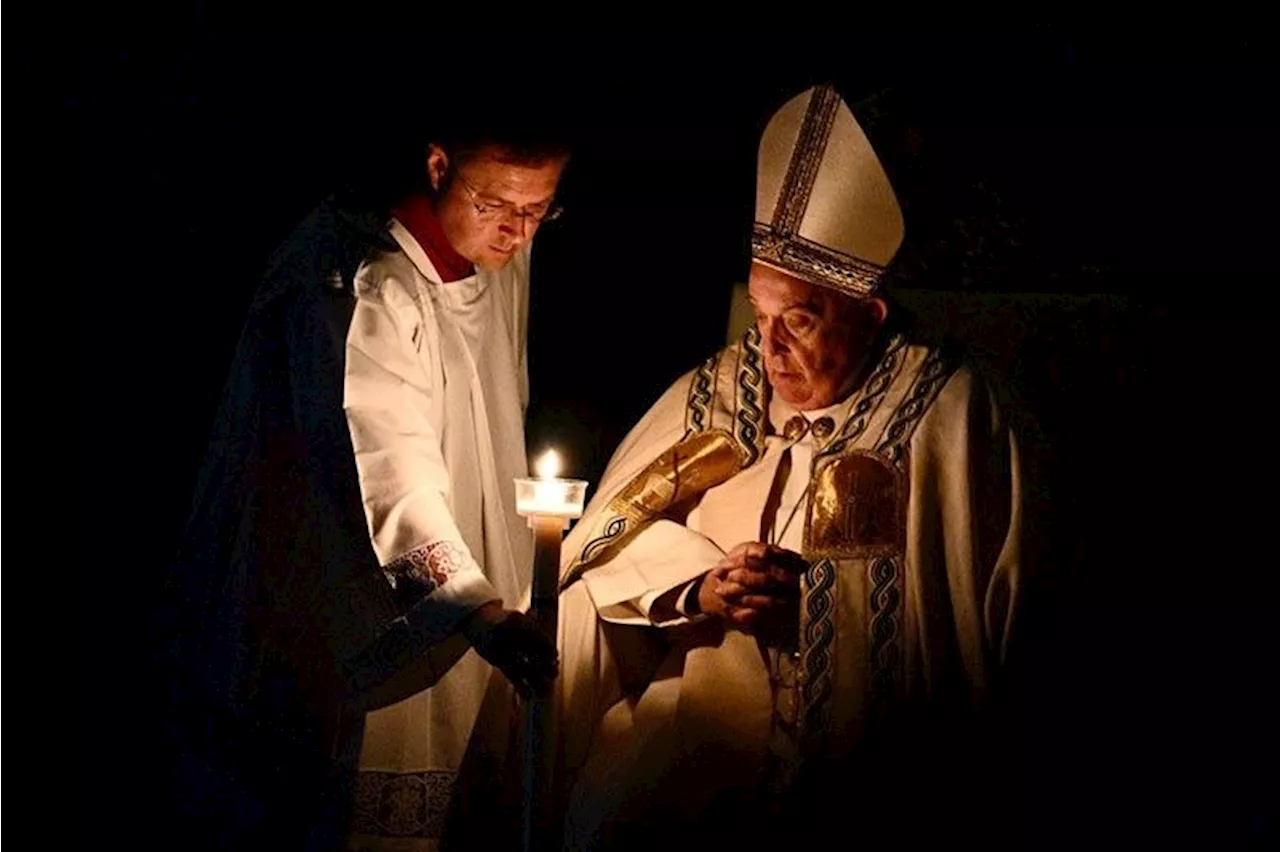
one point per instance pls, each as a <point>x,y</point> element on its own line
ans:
<point>404,482</point>
<point>663,556</point>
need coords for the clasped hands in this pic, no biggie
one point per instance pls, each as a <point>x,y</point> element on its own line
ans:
<point>755,587</point>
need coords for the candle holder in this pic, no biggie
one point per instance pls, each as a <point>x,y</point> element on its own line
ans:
<point>550,498</point>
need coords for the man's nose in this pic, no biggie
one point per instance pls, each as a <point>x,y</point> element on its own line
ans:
<point>517,225</point>
<point>770,345</point>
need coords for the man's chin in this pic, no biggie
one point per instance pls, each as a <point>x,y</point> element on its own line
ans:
<point>790,389</point>
<point>493,260</point>
<point>801,396</point>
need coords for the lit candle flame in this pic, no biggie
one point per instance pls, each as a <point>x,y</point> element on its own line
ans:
<point>548,465</point>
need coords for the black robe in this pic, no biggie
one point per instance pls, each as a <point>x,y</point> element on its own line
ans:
<point>278,622</point>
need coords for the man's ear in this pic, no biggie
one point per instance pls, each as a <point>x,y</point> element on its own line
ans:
<point>437,166</point>
<point>877,311</point>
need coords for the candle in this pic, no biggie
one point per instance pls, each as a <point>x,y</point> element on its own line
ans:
<point>548,503</point>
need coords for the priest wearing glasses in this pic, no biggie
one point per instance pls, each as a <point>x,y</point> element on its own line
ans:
<point>352,560</point>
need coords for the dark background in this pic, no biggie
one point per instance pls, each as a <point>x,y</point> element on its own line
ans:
<point>1102,224</point>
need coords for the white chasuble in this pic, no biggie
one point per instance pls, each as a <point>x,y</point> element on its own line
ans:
<point>914,577</point>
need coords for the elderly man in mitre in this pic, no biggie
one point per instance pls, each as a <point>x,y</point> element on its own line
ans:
<point>790,599</point>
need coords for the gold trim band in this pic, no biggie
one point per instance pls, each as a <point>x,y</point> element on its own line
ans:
<point>815,263</point>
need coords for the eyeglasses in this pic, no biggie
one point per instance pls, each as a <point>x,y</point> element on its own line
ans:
<point>491,211</point>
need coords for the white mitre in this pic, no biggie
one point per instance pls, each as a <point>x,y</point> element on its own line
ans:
<point>825,211</point>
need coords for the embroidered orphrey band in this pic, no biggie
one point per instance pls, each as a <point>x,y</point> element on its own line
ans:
<point>937,368</point>
<point>612,530</point>
<point>886,607</point>
<point>749,419</point>
<point>698,409</point>
<point>873,391</point>
<point>818,650</point>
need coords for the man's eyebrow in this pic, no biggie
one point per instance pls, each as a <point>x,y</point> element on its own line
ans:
<point>805,305</point>
<point>495,201</point>
<point>501,187</point>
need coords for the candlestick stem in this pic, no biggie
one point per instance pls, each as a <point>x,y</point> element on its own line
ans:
<point>539,829</point>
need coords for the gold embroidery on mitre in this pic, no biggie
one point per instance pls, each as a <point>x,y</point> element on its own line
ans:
<point>813,262</point>
<point>802,170</point>
<point>857,509</point>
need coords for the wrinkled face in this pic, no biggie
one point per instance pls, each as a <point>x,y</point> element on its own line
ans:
<point>813,338</point>
<point>491,206</point>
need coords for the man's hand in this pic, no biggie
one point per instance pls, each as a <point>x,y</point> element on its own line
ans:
<point>512,641</point>
<point>756,588</point>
